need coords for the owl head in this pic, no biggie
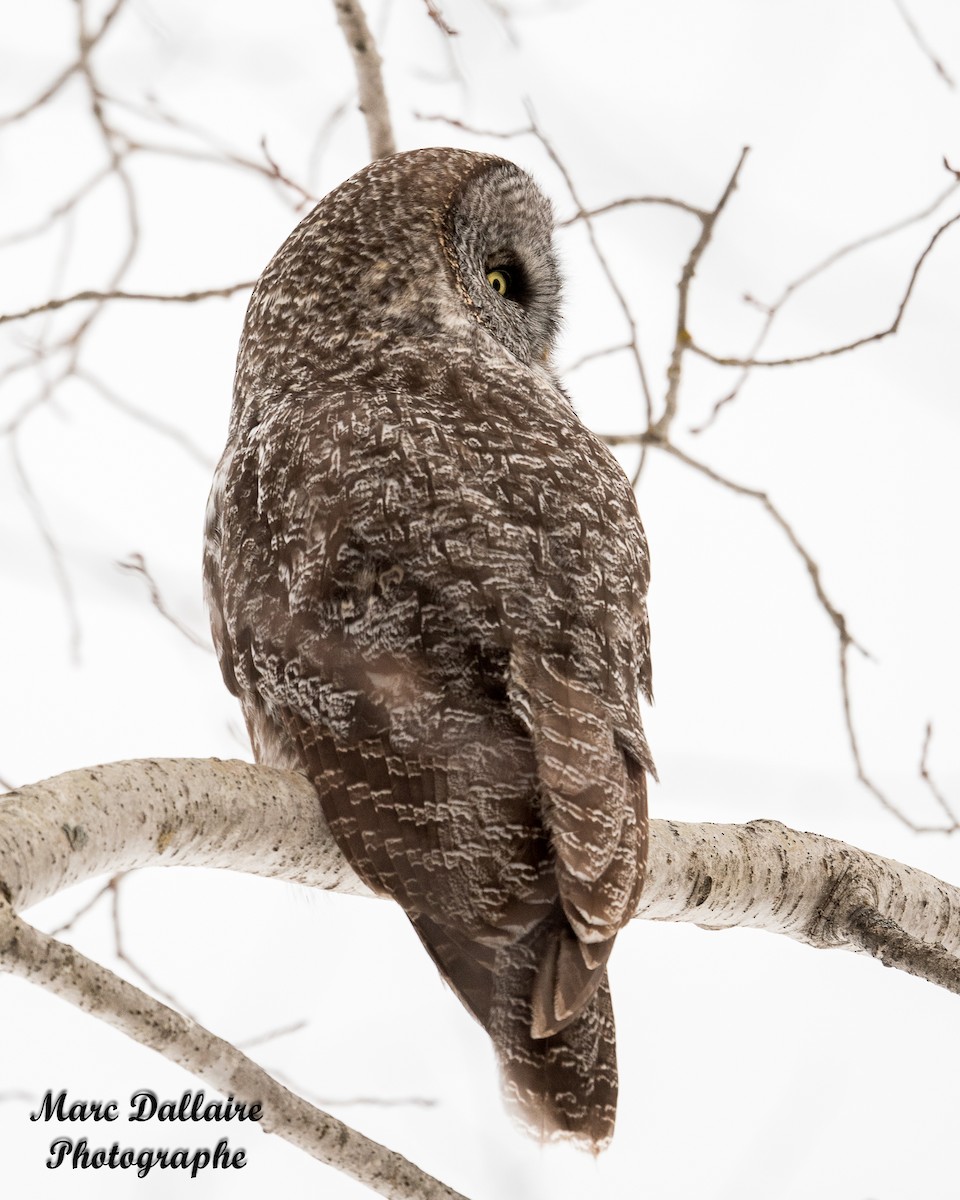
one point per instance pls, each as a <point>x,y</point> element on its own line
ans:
<point>431,243</point>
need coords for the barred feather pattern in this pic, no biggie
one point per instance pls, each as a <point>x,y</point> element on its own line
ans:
<point>427,585</point>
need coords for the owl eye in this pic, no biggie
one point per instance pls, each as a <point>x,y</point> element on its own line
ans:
<point>501,281</point>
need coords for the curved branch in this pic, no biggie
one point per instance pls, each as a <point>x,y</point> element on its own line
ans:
<point>238,816</point>
<point>234,815</point>
<point>87,43</point>
<point>201,812</point>
<point>198,812</point>
<point>814,889</point>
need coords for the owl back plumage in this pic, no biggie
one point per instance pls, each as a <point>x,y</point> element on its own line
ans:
<point>427,586</point>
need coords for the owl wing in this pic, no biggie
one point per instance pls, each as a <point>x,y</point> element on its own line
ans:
<point>593,799</point>
<point>448,624</point>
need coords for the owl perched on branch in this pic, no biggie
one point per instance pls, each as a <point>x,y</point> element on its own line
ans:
<point>427,587</point>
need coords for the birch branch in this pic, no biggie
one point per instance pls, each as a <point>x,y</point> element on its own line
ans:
<point>234,815</point>
<point>42,959</point>
<point>176,812</point>
<point>368,64</point>
<point>238,816</point>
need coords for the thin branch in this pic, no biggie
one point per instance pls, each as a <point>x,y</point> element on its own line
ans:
<point>49,385</point>
<point>853,742</point>
<point>846,347</point>
<point>436,16</point>
<point>116,155</point>
<point>88,44</point>
<point>377,1102</point>
<point>845,639</point>
<point>813,570</point>
<point>505,16</point>
<point>355,1101</point>
<point>145,417</point>
<point>368,64</point>
<point>504,135</point>
<point>120,950</point>
<point>923,45</point>
<point>322,137</point>
<point>98,895</point>
<point>54,552</point>
<point>681,339</point>
<point>929,781</point>
<point>772,311</point>
<point>629,318</point>
<point>593,355</point>
<point>92,295</point>
<point>136,564</point>
<point>260,1039</point>
<point>216,151</point>
<point>630,201</point>
<point>61,210</point>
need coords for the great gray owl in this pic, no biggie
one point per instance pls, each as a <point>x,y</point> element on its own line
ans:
<point>427,587</point>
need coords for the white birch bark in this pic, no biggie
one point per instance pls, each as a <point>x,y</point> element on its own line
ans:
<point>237,816</point>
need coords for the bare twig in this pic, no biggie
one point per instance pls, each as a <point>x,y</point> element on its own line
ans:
<point>137,564</point>
<point>845,639</point>
<point>681,339</point>
<point>377,1102</point>
<point>923,44</point>
<point>368,64</point>
<point>853,742</point>
<point>88,43</point>
<point>216,151</point>
<point>625,309</point>
<point>505,135</point>
<point>324,133</point>
<point>98,895</point>
<point>847,346</point>
<point>771,311</point>
<point>91,295</point>
<point>813,570</point>
<point>260,1039</point>
<point>436,16</point>
<point>54,552</point>
<point>593,355</point>
<point>931,784</point>
<point>629,202</point>
<point>354,1101</point>
<point>59,211</point>
<point>119,948</point>
<point>505,17</point>
<point>145,417</point>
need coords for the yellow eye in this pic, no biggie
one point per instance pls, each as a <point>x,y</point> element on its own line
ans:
<point>499,280</point>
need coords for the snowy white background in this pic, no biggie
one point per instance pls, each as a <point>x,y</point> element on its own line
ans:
<point>750,1067</point>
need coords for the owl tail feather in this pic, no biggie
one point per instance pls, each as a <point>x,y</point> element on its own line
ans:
<point>559,1087</point>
